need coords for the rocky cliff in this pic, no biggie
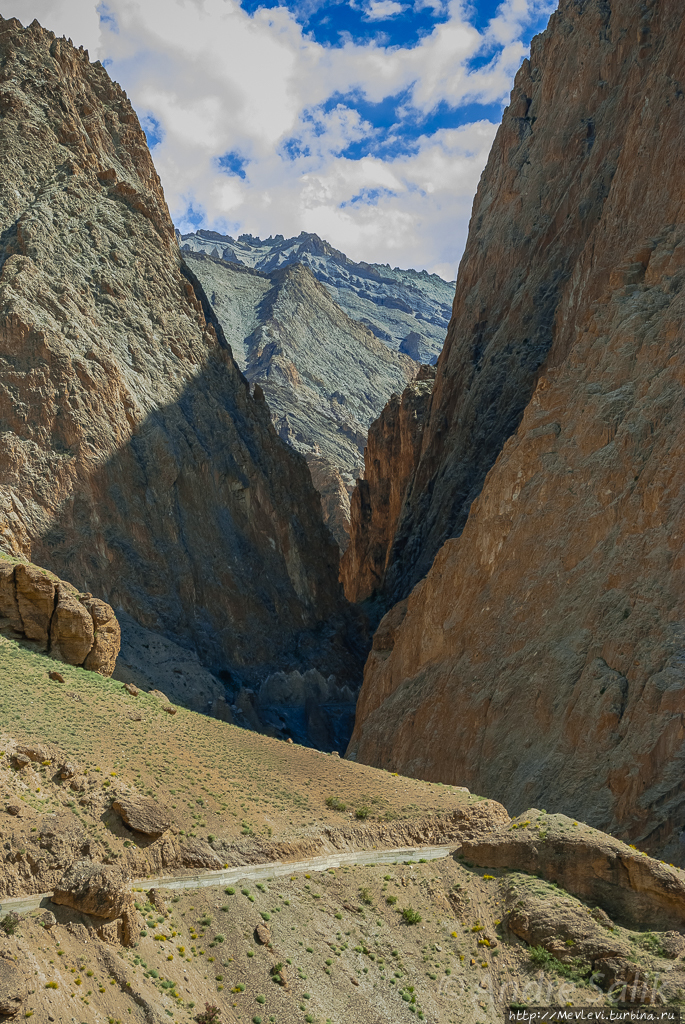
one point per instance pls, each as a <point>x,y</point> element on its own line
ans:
<point>325,376</point>
<point>133,459</point>
<point>51,615</point>
<point>541,660</point>
<point>390,458</point>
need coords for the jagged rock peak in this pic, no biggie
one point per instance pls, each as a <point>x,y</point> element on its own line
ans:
<point>408,310</point>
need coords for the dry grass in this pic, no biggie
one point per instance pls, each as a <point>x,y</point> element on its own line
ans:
<point>217,779</point>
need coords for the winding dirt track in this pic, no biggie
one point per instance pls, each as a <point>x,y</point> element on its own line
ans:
<point>255,872</point>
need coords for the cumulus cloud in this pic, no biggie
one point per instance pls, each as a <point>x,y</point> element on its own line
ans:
<point>256,126</point>
<point>380,10</point>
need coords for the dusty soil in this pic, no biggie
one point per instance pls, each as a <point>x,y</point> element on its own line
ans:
<point>233,796</point>
<point>346,952</point>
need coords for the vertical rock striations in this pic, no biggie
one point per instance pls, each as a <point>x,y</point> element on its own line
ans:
<point>133,459</point>
<point>390,458</point>
<point>542,659</point>
<point>538,203</point>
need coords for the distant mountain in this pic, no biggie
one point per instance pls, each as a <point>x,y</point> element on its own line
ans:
<point>409,310</point>
<point>325,376</point>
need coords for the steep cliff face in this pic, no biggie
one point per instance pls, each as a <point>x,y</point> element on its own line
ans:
<point>133,459</point>
<point>325,377</point>
<point>538,203</point>
<point>390,459</point>
<point>542,659</point>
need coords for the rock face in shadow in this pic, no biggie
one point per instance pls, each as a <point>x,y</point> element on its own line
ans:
<point>133,458</point>
<point>72,627</point>
<point>325,376</point>
<point>390,460</point>
<point>541,659</point>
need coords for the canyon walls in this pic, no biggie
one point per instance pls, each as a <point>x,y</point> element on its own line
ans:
<point>540,656</point>
<point>390,456</point>
<point>133,459</point>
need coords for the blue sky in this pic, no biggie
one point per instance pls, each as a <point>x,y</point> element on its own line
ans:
<point>368,122</point>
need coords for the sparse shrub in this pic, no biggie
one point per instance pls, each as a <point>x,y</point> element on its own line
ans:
<point>391,900</point>
<point>365,896</point>
<point>650,942</point>
<point>52,984</point>
<point>210,1015</point>
<point>576,970</point>
<point>335,804</point>
<point>410,916</point>
<point>229,890</point>
<point>10,923</point>
<point>362,812</point>
<point>265,916</point>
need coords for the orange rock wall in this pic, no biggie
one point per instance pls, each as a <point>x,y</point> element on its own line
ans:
<point>390,458</point>
<point>542,659</point>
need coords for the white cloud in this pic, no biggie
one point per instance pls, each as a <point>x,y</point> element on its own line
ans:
<point>381,10</point>
<point>219,81</point>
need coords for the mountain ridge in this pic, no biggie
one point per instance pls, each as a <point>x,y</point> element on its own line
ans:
<point>407,309</point>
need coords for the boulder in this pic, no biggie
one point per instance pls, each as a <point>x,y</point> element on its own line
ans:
<point>106,640</point>
<point>14,809</point>
<point>99,890</point>
<point>71,628</point>
<point>132,689</point>
<point>262,934</point>
<point>56,677</point>
<point>159,695</point>
<point>96,889</point>
<point>36,600</point>
<point>142,814</point>
<point>47,920</point>
<point>13,989</point>
<point>673,944</point>
<point>9,609</point>
<point>34,751</point>
<point>68,770</point>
